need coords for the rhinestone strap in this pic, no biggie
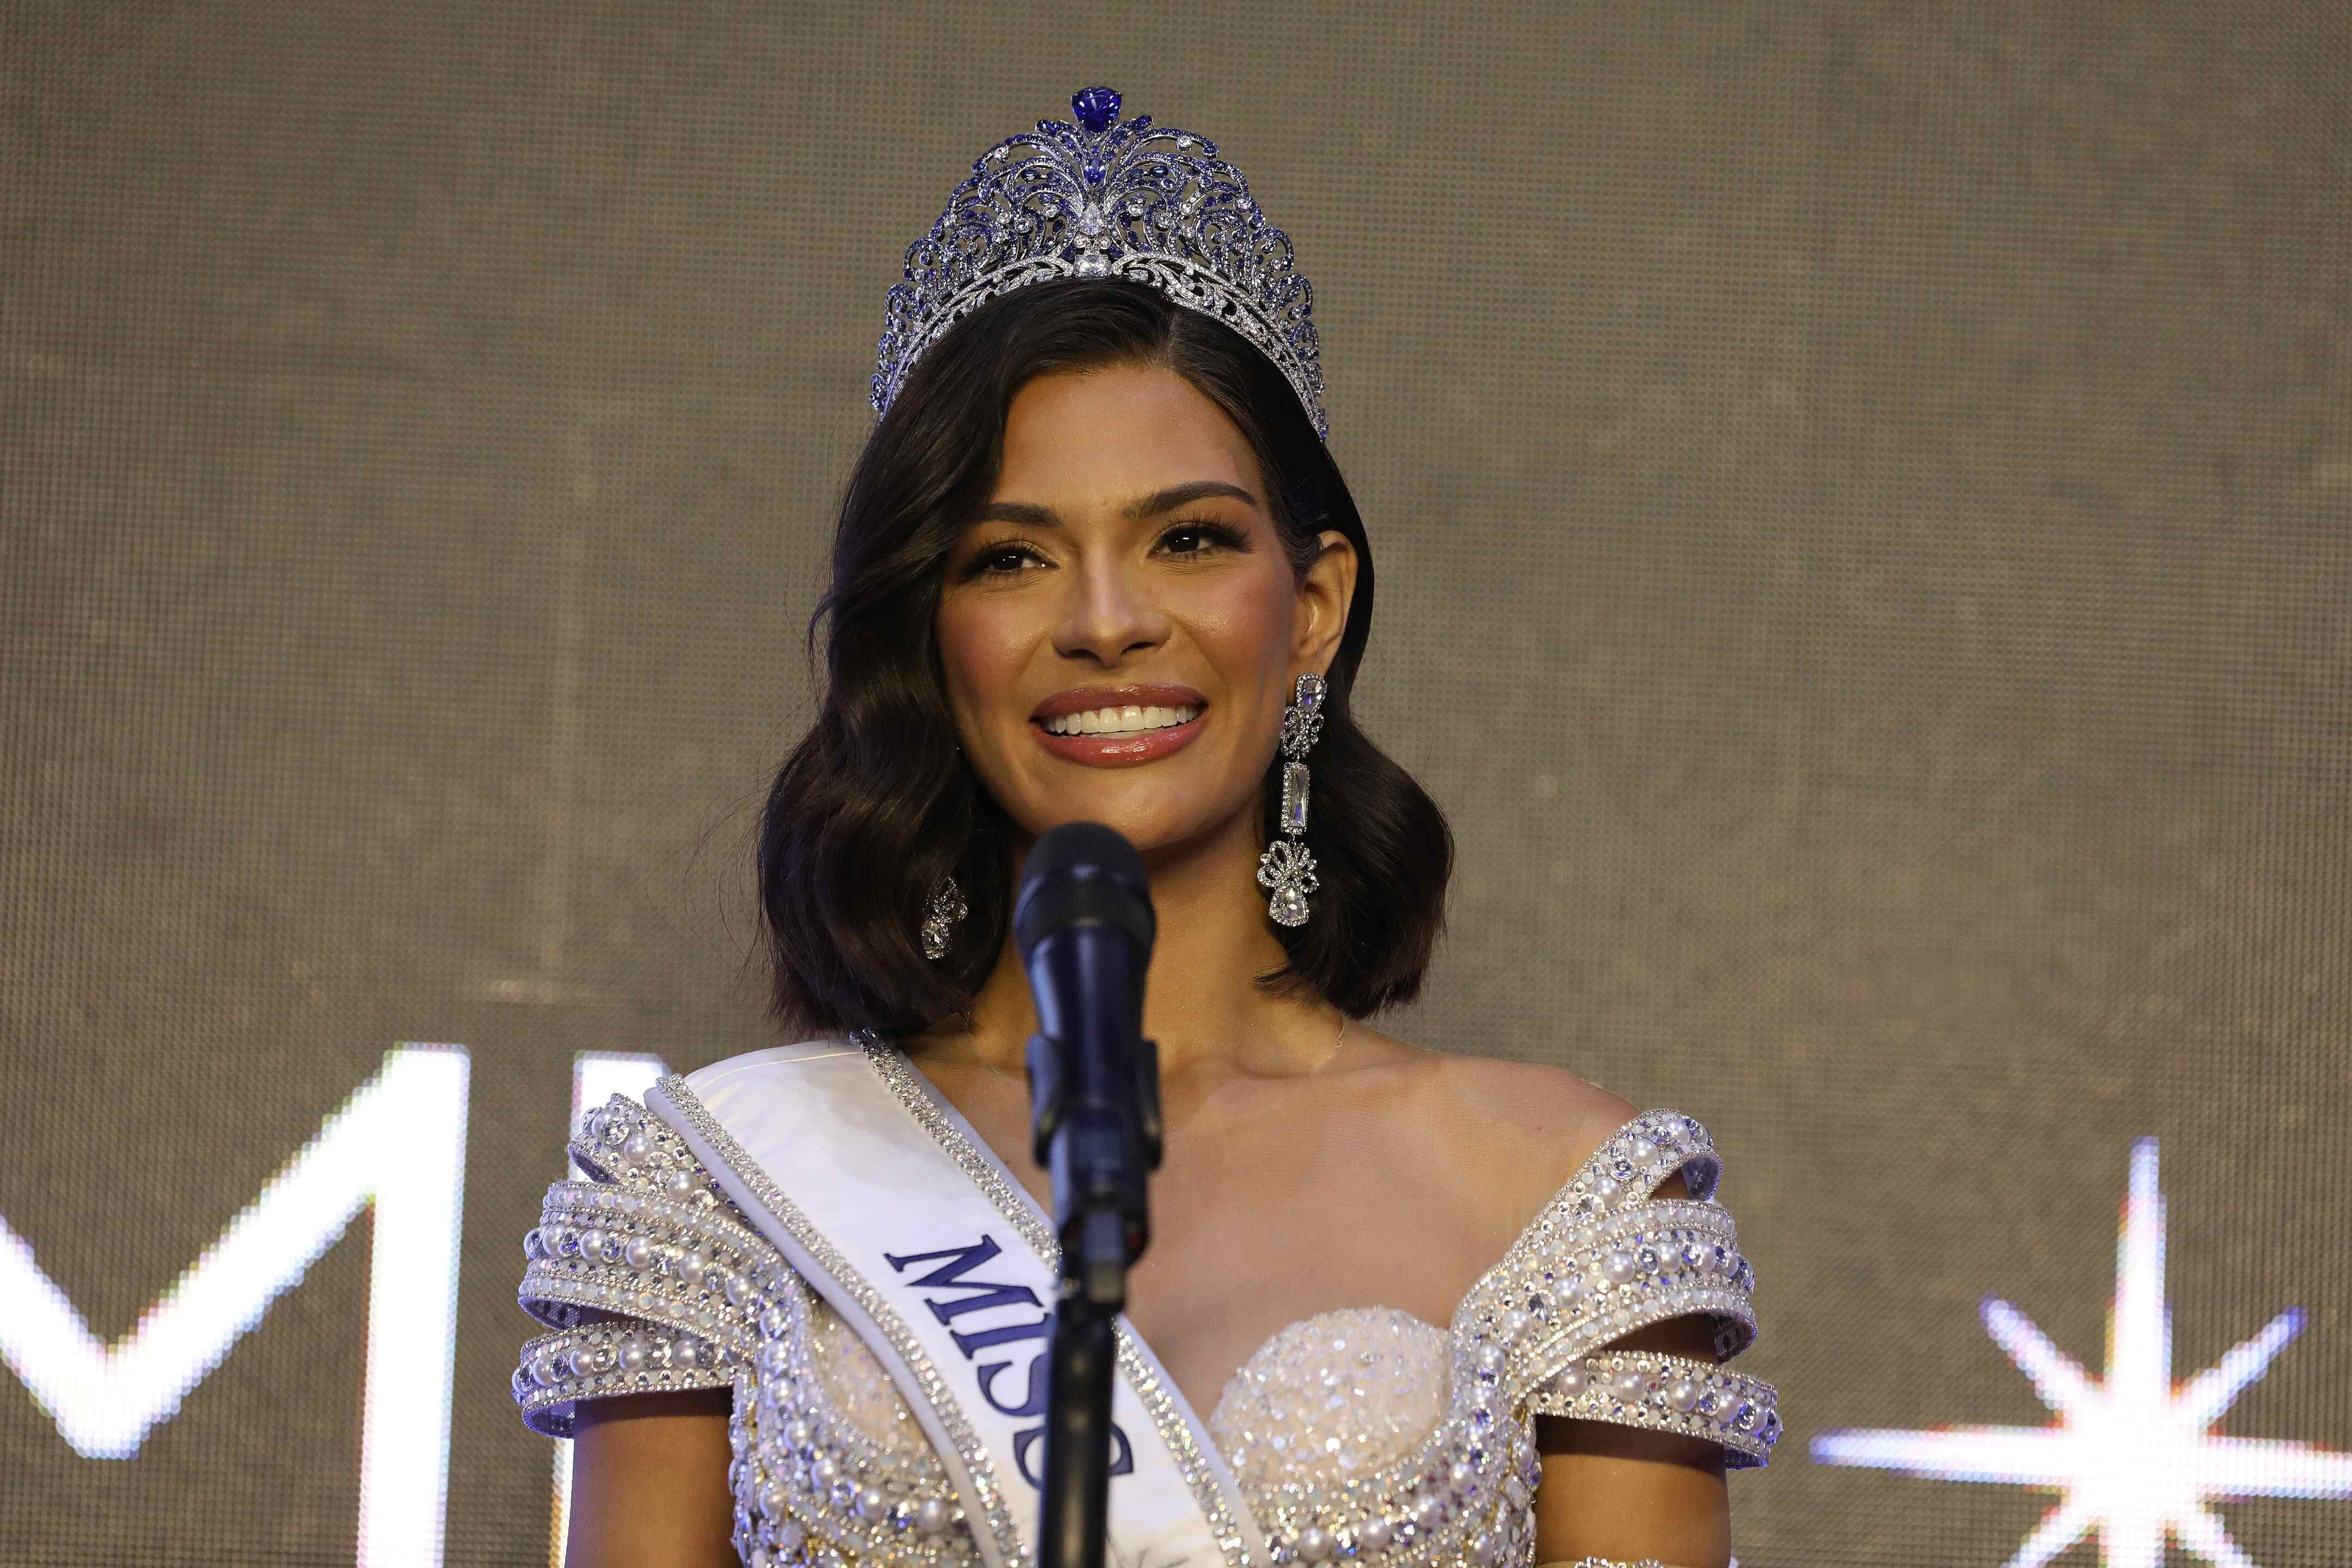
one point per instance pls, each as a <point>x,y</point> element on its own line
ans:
<point>644,1270</point>
<point>1605,1280</point>
<point>1605,1258</point>
<point>1668,1394</point>
<point>620,1143</point>
<point>1635,1161</point>
<point>558,1370</point>
<point>598,1252</point>
<point>1597,1281</point>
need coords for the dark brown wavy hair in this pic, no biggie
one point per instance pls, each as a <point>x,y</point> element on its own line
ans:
<point>877,804</point>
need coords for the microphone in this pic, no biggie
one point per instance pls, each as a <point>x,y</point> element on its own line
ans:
<point>1083,922</point>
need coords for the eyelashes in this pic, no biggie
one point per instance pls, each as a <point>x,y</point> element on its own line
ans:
<point>1193,538</point>
<point>1216,535</point>
<point>1000,560</point>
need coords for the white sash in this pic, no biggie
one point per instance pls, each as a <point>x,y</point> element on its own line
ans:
<point>881,1197</point>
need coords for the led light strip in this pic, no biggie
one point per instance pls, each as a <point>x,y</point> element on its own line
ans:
<point>400,1143</point>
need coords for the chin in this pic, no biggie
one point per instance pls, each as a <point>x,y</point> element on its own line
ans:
<point>1150,826</point>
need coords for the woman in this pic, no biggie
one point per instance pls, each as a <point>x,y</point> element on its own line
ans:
<point>1097,565</point>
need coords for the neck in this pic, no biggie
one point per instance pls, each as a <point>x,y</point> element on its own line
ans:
<point>1202,1001</point>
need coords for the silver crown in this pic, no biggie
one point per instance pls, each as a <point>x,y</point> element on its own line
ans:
<point>1104,198</point>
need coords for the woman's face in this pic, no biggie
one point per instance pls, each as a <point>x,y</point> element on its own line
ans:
<point>1121,628</point>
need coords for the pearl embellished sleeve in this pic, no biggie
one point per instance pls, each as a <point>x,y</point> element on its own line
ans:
<point>1605,1258</point>
<point>646,1275</point>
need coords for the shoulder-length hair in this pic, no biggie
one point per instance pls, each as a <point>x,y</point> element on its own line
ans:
<point>877,805</point>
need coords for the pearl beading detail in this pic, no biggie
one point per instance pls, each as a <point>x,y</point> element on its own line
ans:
<point>1459,1493</point>
<point>603,1251</point>
<point>978,1468</point>
<point>647,1238</point>
<point>1603,1259</point>
<point>1668,1394</point>
<point>818,1487</point>
<point>655,1285</point>
<point>824,1487</point>
<point>602,1359</point>
<point>1665,1259</point>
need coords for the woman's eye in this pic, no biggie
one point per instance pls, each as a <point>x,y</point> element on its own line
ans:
<point>1000,560</point>
<point>1198,538</point>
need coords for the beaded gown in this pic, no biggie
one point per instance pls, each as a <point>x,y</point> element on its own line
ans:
<point>1362,1435</point>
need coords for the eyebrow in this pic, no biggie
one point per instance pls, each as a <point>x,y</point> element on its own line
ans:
<point>1025,514</point>
<point>1175,496</point>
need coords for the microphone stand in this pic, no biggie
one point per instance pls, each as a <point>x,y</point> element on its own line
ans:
<point>1097,1129</point>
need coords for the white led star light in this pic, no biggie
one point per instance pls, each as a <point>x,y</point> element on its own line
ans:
<point>2135,1458</point>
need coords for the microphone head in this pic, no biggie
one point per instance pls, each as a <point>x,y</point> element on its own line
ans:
<point>1079,874</point>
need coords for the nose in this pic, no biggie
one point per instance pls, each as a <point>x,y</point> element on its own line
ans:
<point>1107,615</point>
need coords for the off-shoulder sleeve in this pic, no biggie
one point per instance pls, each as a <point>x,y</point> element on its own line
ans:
<point>1607,1257</point>
<point>646,1275</point>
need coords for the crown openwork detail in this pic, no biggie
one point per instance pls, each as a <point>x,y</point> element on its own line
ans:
<point>1106,198</point>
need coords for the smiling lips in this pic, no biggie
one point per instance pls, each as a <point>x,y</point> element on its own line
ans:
<point>1118,726</point>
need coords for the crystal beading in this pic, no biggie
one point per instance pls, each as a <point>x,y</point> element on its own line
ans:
<point>1106,198</point>
<point>655,1285</point>
<point>836,1460</point>
<point>558,1370</point>
<point>651,1280</point>
<point>1302,720</point>
<point>944,913</point>
<point>1286,867</point>
<point>977,1464</point>
<point>1294,797</point>
<point>1668,1394</point>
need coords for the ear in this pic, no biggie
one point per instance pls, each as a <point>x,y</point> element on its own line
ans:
<point>1325,591</point>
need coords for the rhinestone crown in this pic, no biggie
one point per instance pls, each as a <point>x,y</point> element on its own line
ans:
<point>1106,198</point>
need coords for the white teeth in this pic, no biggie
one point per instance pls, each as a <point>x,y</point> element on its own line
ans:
<point>1131,720</point>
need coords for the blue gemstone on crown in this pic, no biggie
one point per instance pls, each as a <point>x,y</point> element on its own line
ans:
<point>1097,108</point>
<point>1106,199</point>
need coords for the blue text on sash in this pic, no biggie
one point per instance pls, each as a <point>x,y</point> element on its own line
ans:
<point>951,1294</point>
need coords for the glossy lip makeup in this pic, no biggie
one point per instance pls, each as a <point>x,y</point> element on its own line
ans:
<point>1118,726</point>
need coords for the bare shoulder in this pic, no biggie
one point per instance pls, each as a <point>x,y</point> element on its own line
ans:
<point>1531,1124</point>
<point>1513,1132</point>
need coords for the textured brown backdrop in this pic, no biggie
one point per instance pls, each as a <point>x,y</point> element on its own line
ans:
<point>1861,495</point>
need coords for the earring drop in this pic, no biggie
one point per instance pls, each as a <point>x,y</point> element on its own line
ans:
<point>1287,866</point>
<point>945,912</point>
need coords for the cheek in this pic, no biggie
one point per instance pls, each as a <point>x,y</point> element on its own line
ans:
<point>1244,623</point>
<point>983,647</point>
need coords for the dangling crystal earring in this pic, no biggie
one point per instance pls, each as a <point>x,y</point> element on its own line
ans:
<point>946,912</point>
<point>1287,866</point>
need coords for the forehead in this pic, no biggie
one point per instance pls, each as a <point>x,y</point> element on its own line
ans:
<point>1105,436</point>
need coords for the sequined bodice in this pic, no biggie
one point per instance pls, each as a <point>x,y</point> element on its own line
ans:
<point>1338,1394</point>
<point>1364,1433</point>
